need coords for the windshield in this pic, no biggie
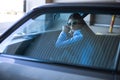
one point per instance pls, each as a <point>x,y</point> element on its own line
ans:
<point>79,39</point>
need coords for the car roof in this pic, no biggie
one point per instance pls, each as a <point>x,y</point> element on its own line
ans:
<point>92,7</point>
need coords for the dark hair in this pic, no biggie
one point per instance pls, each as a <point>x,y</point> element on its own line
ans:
<point>76,16</point>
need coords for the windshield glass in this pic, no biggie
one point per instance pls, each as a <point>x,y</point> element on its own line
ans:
<point>78,39</point>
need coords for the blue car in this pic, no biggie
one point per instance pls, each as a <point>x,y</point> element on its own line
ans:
<point>34,49</point>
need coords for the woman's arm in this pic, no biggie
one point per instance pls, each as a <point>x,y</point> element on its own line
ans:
<point>63,41</point>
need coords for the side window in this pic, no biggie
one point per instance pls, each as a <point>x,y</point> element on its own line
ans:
<point>34,26</point>
<point>44,23</point>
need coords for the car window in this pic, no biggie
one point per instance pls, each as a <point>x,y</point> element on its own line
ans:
<point>94,45</point>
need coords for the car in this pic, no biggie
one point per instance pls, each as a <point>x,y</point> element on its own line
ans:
<point>28,48</point>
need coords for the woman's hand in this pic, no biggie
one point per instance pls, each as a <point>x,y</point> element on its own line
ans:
<point>66,29</point>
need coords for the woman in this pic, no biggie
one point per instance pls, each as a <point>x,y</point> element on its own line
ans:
<point>71,34</point>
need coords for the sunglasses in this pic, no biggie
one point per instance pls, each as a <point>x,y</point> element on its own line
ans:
<point>73,23</point>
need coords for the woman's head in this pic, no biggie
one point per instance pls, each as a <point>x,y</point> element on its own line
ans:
<point>75,21</point>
